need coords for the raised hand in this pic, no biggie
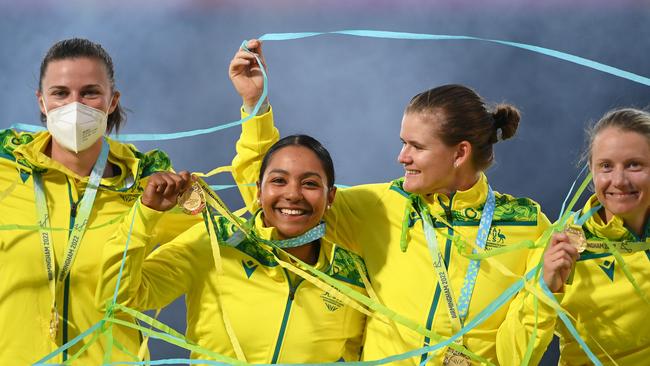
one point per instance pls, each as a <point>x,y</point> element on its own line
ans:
<point>163,189</point>
<point>558,261</point>
<point>245,73</point>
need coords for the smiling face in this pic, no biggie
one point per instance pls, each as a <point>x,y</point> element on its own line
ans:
<point>428,162</point>
<point>620,163</point>
<point>294,191</point>
<point>81,79</point>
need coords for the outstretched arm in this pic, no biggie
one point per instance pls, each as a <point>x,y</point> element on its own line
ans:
<point>149,281</point>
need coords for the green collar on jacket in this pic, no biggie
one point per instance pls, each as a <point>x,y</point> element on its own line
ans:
<point>466,206</point>
<point>614,230</point>
<point>27,150</point>
<point>334,260</point>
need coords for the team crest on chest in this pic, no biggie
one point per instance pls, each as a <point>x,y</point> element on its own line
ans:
<point>496,239</point>
<point>331,303</point>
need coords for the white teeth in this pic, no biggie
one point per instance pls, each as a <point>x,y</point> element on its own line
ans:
<point>286,211</point>
<point>412,171</point>
<point>622,194</point>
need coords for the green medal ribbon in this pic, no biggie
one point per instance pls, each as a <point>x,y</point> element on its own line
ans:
<point>76,234</point>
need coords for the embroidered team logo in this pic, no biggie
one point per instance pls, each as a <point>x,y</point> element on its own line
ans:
<point>331,302</point>
<point>496,239</point>
<point>497,236</point>
<point>249,267</point>
<point>608,268</point>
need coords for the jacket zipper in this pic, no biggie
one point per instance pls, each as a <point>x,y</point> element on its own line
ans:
<point>64,323</point>
<point>436,296</point>
<point>66,287</point>
<point>285,317</point>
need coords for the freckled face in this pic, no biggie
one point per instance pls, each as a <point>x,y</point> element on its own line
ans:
<point>620,163</point>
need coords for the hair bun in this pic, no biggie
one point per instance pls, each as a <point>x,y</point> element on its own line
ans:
<point>506,118</point>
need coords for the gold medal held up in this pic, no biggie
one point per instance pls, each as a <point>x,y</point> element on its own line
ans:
<point>192,201</point>
<point>576,237</point>
<point>455,358</point>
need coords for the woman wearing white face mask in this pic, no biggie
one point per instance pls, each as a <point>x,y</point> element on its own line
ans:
<point>49,258</point>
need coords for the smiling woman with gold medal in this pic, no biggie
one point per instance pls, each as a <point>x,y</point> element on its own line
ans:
<point>243,299</point>
<point>611,234</point>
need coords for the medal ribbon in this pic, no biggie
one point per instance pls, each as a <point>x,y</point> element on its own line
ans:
<point>604,246</point>
<point>472,270</point>
<point>74,240</point>
<point>311,235</point>
<point>457,317</point>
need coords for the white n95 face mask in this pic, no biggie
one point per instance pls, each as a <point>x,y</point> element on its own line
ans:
<point>76,126</point>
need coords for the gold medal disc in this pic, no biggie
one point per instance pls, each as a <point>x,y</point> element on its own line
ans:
<point>54,324</point>
<point>192,201</point>
<point>576,237</point>
<point>455,358</point>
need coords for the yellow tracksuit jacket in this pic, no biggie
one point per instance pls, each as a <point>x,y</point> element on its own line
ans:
<point>276,316</point>
<point>25,298</point>
<point>604,303</point>
<point>368,218</point>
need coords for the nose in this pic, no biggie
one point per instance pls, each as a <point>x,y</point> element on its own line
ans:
<point>404,157</point>
<point>75,97</point>
<point>293,192</point>
<point>619,178</point>
<point>70,98</point>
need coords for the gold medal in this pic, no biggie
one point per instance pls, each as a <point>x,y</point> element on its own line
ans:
<point>54,324</point>
<point>576,237</point>
<point>192,201</point>
<point>455,358</point>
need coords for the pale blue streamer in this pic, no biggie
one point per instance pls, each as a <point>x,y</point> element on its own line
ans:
<point>221,187</point>
<point>71,343</point>
<point>581,219</point>
<point>423,36</point>
<point>372,34</point>
<point>568,195</point>
<point>569,325</point>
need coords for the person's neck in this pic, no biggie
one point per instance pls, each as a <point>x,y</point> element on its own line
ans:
<point>636,223</point>
<point>462,182</point>
<point>307,253</point>
<point>80,163</point>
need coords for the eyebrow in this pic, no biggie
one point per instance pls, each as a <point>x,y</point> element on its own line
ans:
<point>66,87</point>
<point>304,175</point>
<point>411,141</point>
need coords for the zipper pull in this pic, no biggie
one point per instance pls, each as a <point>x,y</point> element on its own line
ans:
<point>292,293</point>
<point>73,209</point>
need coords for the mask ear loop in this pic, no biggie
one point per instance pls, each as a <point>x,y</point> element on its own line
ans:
<point>110,102</point>
<point>44,104</point>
